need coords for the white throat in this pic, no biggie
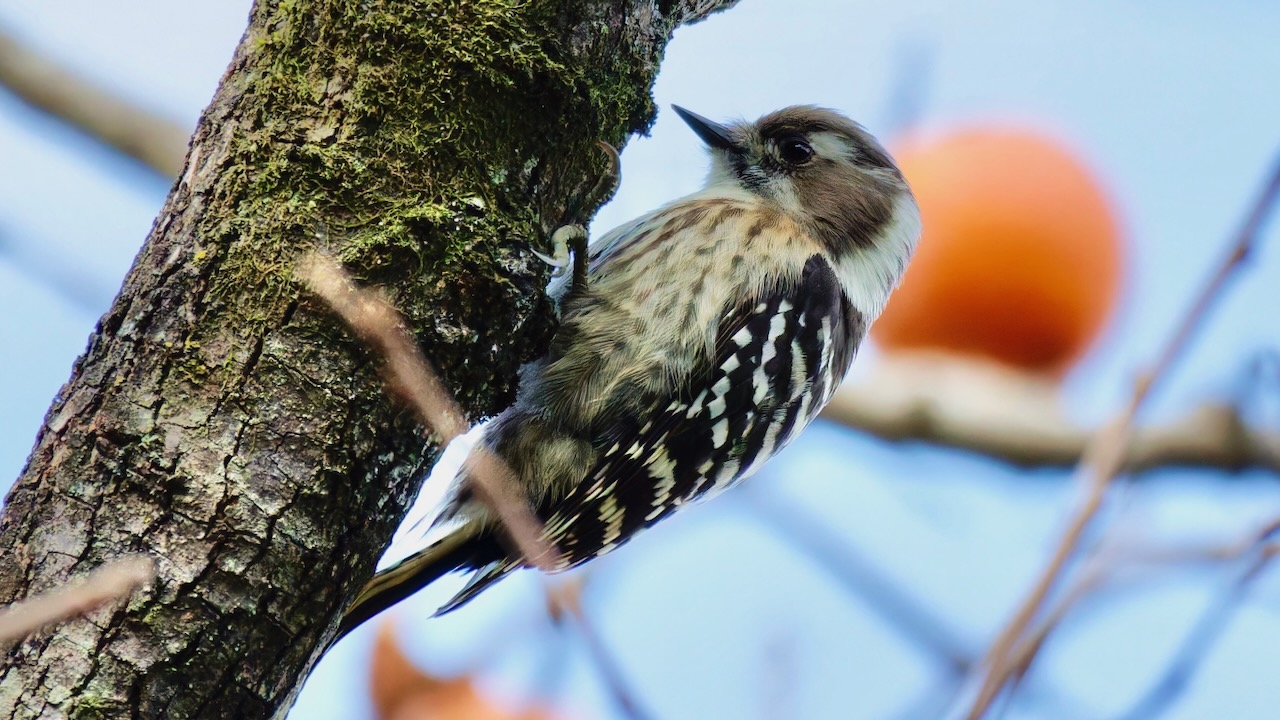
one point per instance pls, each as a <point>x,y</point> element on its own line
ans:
<point>870,274</point>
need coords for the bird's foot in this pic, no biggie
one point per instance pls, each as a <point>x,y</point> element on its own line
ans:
<point>572,239</point>
<point>566,241</point>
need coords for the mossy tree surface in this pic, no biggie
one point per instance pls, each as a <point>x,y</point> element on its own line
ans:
<point>221,420</point>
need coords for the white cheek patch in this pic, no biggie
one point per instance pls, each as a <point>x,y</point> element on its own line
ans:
<point>871,273</point>
<point>830,145</point>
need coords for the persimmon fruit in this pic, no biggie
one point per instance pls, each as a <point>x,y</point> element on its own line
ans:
<point>1021,258</point>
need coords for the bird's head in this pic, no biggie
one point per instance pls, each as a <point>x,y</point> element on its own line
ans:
<point>822,169</point>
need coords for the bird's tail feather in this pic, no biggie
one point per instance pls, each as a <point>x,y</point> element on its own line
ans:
<point>455,551</point>
<point>480,581</point>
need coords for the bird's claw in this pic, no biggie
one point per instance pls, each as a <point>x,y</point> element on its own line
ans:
<point>558,259</point>
<point>608,181</point>
<point>567,241</point>
<point>572,239</point>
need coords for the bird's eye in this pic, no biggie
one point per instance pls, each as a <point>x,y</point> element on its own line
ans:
<point>795,150</point>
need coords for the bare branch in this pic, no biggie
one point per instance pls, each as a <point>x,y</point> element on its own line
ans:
<point>1102,573</point>
<point>566,599</point>
<point>906,399</point>
<point>379,324</point>
<point>860,576</point>
<point>111,582</point>
<point>1105,456</point>
<point>156,142</point>
<point>371,315</point>
<point>1206,631</point>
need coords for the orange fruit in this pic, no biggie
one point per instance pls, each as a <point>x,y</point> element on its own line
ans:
<point>400,691</point>
<point>1021,258</point>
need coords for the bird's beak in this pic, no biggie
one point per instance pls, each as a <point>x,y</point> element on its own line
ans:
<point>713,134</point>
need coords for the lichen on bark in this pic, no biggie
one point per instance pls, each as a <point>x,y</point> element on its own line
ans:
<point>220,420</point>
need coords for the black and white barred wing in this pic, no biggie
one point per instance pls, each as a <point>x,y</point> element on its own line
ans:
<point>776,363</point>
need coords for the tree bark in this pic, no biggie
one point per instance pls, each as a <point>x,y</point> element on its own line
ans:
<point>221,420</point>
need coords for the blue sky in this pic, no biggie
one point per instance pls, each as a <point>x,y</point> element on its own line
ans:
<point>1174,106</point>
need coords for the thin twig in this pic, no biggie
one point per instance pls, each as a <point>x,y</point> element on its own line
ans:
<point>1106,454</point>
<point>1092,579</point>
<point>564,600</point>
<point>567,600</point>
<point>912,72</point>
<point>113,581</point>
<point>1195,647</point>
<point>779,677</point>
<point>1102,570</point>
<point>380,325</point>
<point>882,595</point>
<point>857,573</point>
<point>156,142</point>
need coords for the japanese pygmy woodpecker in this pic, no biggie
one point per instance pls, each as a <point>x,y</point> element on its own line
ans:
<point>709,333</point>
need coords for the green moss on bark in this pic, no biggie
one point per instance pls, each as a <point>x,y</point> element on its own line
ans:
<point>221,420</point>
<point>433,166</point>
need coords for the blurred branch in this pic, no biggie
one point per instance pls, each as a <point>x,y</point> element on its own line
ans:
<point>904,402</point>
<point>381,326</point>
<point>885,597</point>
<point>779,677</point>
<point>566,599</point>
<point>156,142</point>
<point>49,267</point>
<point>1196,646</point>
<point>113,581</point>
<point>911,72</point>
<point>860,576</point>
<point>1102,570</point>
<point>408,374</point>
<point>1106,454</point>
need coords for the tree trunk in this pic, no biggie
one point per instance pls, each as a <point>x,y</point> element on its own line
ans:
<point>221,420</point>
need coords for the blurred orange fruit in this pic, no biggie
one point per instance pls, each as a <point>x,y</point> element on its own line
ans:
<point>400,691</point>
<point>1021,259</point>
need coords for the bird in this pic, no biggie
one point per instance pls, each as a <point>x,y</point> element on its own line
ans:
<point>694,344</point>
